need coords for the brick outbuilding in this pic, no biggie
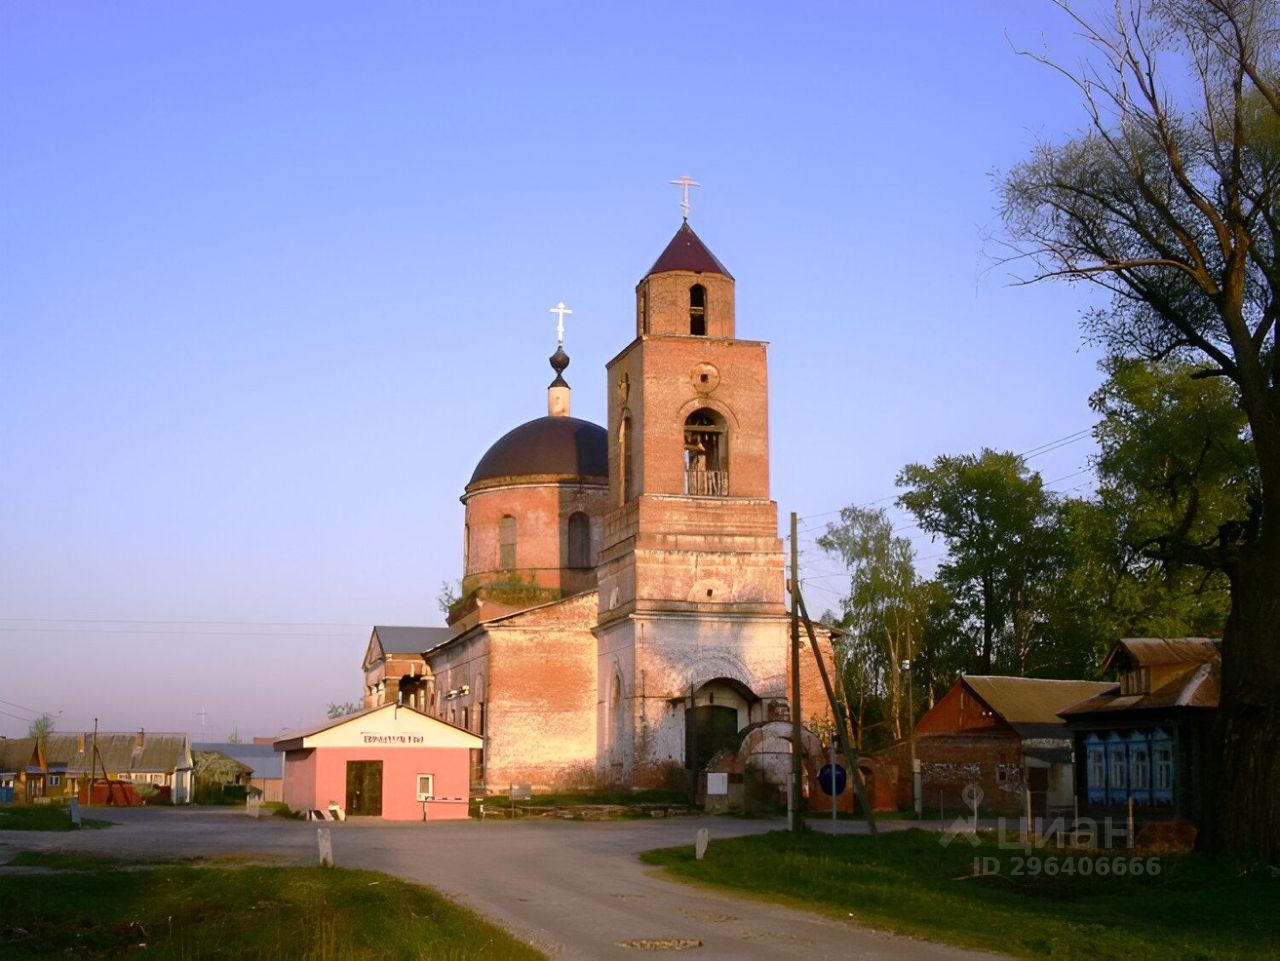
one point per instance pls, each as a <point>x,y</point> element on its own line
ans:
<point>1002,734</point>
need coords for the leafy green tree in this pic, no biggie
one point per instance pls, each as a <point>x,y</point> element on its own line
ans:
<point>945,649</point>
<point>1169,202</point>
<point>1175,459</point>
<point>1000,528</point>
<point>883,607</point>
<point>336,710</point>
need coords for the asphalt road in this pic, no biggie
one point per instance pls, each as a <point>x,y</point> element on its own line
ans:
<point>574,889</point>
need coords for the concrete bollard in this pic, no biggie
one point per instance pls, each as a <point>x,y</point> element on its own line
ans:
<point>325,843</point>
<point>700,843</point>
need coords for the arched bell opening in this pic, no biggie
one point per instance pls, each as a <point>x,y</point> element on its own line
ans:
<point>706,454</point>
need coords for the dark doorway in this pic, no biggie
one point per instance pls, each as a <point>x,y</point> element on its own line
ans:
<point>1038,785</point>
<point>364,787</point>
<point>707,730</point>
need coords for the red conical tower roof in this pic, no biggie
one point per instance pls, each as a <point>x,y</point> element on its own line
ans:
<point>687,252</point>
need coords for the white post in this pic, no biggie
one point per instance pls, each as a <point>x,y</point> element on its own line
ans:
<point>325,843</point>
<point>1129,835</point>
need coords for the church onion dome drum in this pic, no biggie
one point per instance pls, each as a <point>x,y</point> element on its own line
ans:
<point>546,448</point>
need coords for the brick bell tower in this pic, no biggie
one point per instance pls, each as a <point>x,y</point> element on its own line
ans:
<point>692,628</point>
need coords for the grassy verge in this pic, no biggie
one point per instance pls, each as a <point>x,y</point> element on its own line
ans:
<point>43,818</point>
<point>179,911</point>
<point>909,883</point>
<point>71,861</point>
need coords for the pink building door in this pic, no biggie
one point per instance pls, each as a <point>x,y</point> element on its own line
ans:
<point>364,787</point>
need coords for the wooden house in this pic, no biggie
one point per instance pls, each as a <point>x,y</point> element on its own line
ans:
<point>1144,737</point>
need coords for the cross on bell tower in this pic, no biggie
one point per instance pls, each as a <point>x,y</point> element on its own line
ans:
<point>684,183</point>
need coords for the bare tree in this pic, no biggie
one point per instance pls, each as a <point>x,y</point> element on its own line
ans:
<point>41,727</point>
<point>1170,200</point>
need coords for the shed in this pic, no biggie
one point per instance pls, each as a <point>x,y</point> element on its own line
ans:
<point>392,762</point>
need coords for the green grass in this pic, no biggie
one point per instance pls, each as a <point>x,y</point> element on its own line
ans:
<point>909,883</point>
<point>43,818</point>
<point>184,912</point>
<point>68,861</point>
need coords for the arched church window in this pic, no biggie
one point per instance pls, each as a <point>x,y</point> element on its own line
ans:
<point>706,450</point>
<point>579,540</point>
<point>627,467</point>
<point>466,548</point>
<point>507,542</point>
<point>698,310</point>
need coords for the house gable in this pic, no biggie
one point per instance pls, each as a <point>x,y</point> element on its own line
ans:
<point>961,710</point>
<point>373,654</point>
<point>388,726</point>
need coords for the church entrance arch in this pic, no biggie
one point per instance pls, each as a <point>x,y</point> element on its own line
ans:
<point>715,715</point>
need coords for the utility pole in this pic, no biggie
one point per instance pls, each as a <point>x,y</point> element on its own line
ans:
<point>797,741</point>
<point>93,765</point>
<point>917,802</point>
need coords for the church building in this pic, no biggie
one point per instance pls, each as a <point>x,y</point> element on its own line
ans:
<point>623,610</point>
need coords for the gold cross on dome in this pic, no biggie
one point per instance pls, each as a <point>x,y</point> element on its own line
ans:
<point>561,310</point>
<point>684,183</point>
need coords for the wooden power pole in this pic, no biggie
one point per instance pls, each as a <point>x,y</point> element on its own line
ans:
<point>797,739</point>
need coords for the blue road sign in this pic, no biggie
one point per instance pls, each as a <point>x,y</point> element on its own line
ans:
<point>828,774</point>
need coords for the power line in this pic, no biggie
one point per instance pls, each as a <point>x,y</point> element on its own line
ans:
<point>17,717</point>
<point>20,707</point>
<point>1065,441</point>
<point>112,620</point>
<point>113,630</point>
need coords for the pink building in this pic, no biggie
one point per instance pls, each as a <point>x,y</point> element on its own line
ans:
<point>391,762</point>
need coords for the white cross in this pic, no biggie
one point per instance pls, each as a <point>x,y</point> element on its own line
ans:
<point>560,309</point>
<point>684,183</point>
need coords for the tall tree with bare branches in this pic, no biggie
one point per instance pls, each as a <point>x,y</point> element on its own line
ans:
<point>1170,200</point>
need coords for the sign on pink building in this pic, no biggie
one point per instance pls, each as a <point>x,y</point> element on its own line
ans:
<point>391,762</point>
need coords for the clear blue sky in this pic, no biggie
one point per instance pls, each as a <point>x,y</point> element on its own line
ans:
<point>274,276</point>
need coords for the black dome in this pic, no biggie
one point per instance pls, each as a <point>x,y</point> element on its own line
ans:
<point>548,445</point>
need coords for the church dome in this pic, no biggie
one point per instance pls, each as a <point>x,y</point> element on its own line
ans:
<point>564,446</point>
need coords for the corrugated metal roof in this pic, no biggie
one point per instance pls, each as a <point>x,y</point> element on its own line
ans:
<point>1196,687</point>
<point>410,640</point>
<point>1153,651</point>
<point>1031,705</point>
<point>159,752</point>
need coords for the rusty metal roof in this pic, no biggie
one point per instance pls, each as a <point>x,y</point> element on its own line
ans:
<point>1153,651</point>
<point>1198,686</point>
<point>1030,705</point>
<point>548,446</point>
<point>687,252</point>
